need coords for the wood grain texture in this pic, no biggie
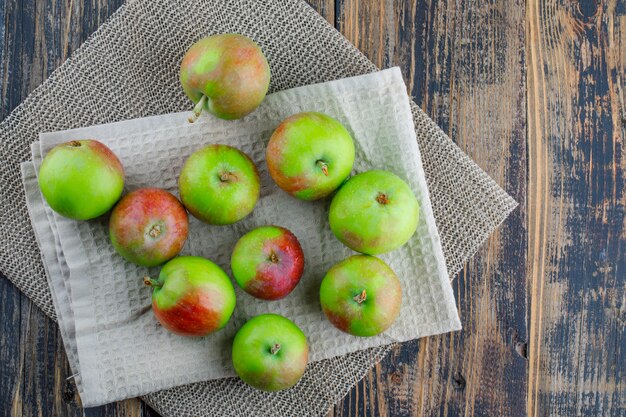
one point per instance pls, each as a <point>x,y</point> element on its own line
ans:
<point>576,224</point>
<point>533,91</point>
<point>324,7</point>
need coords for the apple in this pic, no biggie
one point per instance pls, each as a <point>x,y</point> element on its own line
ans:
<point>361,295</point>
<point>226,75</point>
<point>81,179</point>
<point>268,262</point>
<point>148,226</point>
<point>219,184</point>
<point>374,212</point>
<point>309,155</point>
<point>270,352</point>
<point>192,296</point>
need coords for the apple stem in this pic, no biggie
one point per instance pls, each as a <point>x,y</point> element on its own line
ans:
<point>151,282</point>
<point>273,258</point>
<point>74,144</point>
<point>382,198</point>
<point>197,110</point>
<point>155,231</point>
<point>274,350</point>
<point>360,297</point>
<point>227,176</point>
<point>323,166</point>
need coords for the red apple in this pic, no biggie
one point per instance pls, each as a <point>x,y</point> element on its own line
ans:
<point>268,262</point>
<point>225,74</point>
<point>148,226</point>
<point>192,296</point>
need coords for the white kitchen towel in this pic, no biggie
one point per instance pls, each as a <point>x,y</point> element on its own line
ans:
<point>122,352</point>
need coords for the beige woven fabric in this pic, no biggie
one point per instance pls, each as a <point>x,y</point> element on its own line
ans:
<point>128,69</point>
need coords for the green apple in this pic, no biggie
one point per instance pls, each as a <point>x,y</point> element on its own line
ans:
<point>309,155</point>
<point>219,184</point>
<point>192,296</point>
<point>226,75</point>
<point>270,352</point>
<point>361,295</point>
<point>374,212</point>
<point>81,179</point>
<point>148,226</point>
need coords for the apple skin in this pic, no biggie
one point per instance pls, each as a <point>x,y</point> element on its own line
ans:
<point>81,179</point>
<point>148,226</point>
<point>361,295</point>
<point>254,361</point>
<point>374,212</point>
<point>268,262</point>
<point>192,296</point>
<point>310,155</point>
<point>226,75</point>
<point>219,184</point>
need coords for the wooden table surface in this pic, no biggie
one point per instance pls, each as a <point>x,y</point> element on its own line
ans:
<point>534,93</point>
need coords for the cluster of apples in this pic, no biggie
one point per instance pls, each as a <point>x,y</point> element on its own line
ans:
<point>310,156</point>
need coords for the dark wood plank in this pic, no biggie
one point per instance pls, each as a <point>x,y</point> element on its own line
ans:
<point>577,230</point>
<point>324,7</point>
<point>36,37</point>
<point>10,343</point>
<point>464,65</point>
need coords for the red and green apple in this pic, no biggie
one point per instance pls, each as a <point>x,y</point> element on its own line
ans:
<point>268,262</point>
<point>309,155</point>
<point>148,226</point>
<point>270,352</point>
<point>81,179</point>
<point>219,184</point>
<point>374,212</point>
<point>192,296</point>
<point>361,295</point>
<point>225,74</point>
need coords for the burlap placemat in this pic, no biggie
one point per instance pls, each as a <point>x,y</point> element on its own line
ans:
<point>129,69</point>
